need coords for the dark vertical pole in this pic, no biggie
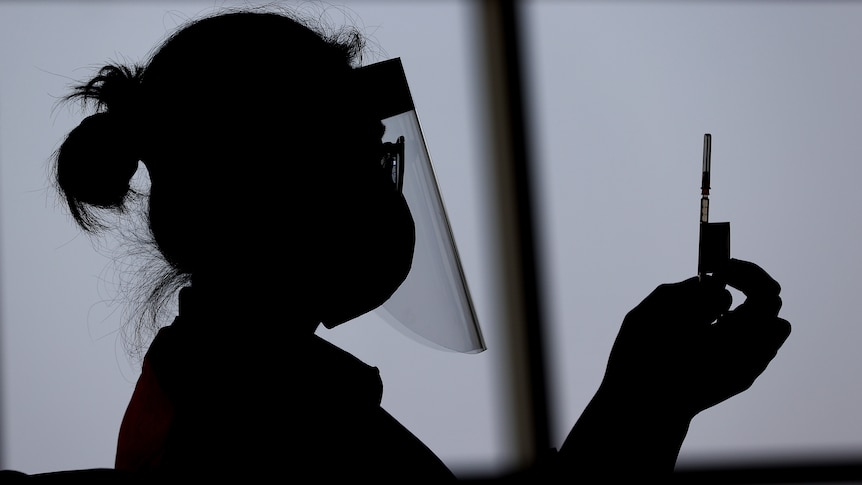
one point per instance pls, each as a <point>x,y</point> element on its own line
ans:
<point>3,360</point>
<point>510,172</point>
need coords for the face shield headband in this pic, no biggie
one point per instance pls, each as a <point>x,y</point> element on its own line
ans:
<point>433,304</point>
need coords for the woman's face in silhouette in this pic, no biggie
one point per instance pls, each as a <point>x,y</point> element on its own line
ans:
<point>370,251</point>
<point>273,177</point>
<point>268,201</point>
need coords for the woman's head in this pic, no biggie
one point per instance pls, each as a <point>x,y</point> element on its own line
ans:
<point>262,161</point>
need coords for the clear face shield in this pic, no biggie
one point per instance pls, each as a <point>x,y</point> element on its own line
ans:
<point>433,304</point>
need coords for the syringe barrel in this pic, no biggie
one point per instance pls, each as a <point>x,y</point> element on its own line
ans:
<point>707,155</point>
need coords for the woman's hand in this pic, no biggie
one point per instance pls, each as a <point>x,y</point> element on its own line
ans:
<point>683,347</point>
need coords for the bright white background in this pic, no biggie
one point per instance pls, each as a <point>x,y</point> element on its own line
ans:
<point>622,95</point>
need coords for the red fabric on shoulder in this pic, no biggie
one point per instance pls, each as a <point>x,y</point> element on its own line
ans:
<point>145,426</point>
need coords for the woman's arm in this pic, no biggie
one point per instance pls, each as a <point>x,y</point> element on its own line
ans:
<point>680,351</point>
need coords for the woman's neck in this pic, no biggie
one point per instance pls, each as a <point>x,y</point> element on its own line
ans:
<point>264,303</point>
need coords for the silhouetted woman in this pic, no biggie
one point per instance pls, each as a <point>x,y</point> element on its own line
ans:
<point>267,201</point>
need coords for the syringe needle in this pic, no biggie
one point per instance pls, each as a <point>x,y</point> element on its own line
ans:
<point>704,180</point>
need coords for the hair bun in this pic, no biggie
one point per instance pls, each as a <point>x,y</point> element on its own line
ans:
<point>95,164</point>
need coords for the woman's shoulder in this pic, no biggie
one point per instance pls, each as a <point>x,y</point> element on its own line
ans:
<point>89,476</point>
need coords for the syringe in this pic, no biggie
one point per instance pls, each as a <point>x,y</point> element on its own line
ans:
<point>714,246</point>
<point>704,179</point>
